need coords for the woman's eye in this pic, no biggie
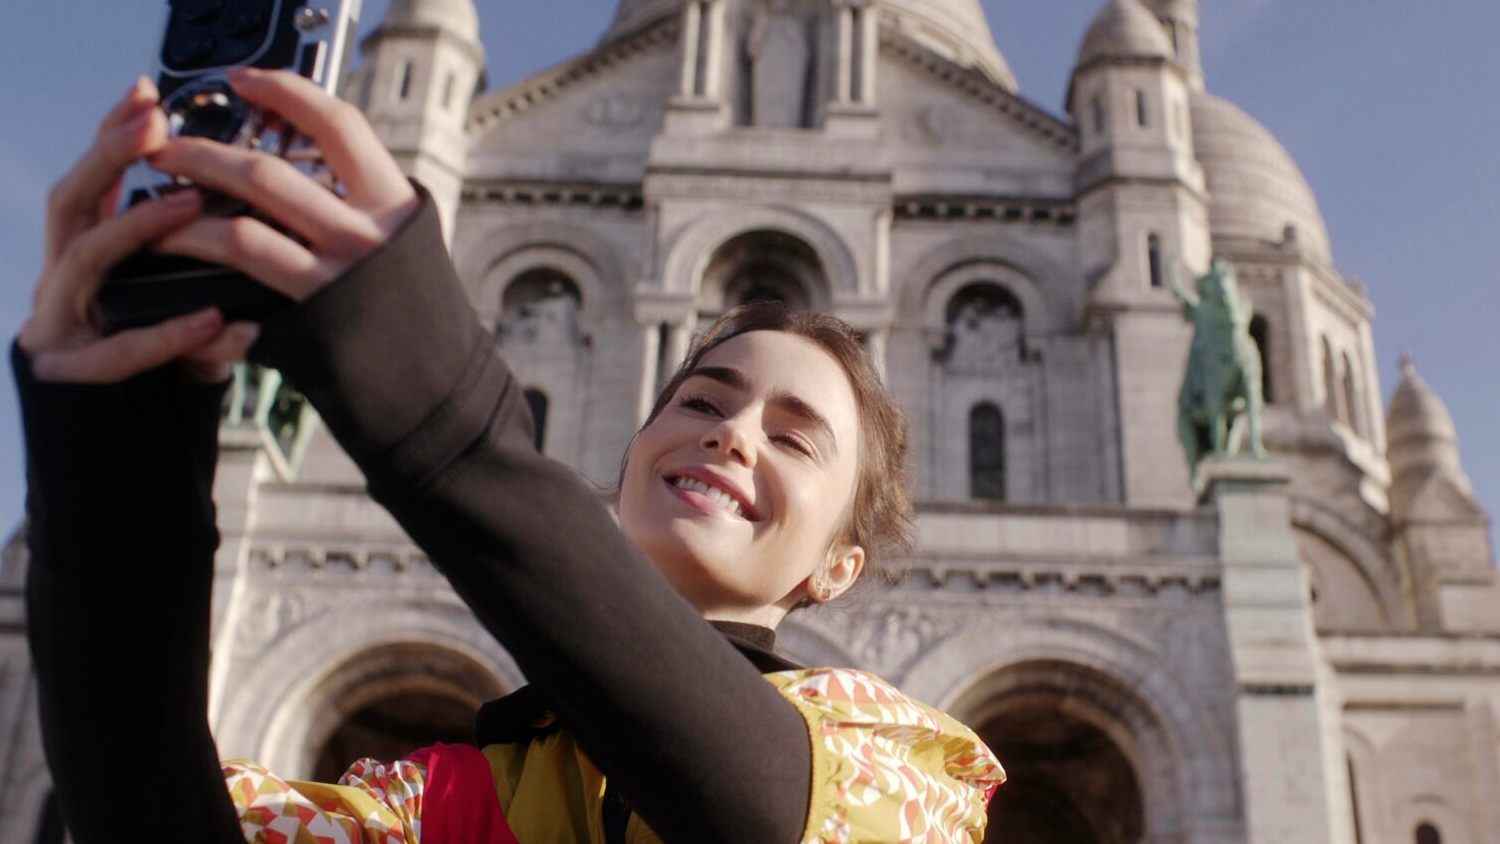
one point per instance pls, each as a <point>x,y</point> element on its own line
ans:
<point>698,404</point>
<point>794,443</point>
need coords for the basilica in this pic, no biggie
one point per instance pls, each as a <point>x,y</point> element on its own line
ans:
<point>1299,649</point>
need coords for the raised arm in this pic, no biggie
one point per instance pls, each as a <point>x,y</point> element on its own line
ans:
<point>120,455</point>
<point>395,359</point>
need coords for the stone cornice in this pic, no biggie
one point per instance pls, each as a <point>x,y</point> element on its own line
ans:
<point>547,85</point>
<point>624,196</point>
<point>941,207</point>
<point>983,89</point>
<point>1412,654</point>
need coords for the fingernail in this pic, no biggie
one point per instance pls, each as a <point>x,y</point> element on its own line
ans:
<point>204,321</point>
<point>247,333</point>
<point>242,74</point>
<point>135,87</point>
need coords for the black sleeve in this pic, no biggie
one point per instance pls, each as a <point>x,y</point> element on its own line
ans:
<point>122,537</point>
<point>394,358</point>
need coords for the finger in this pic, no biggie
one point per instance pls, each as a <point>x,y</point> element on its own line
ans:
<point>74,202</point>
<point>129,353</point>
<point>231,346</point>
<point>214,361</point>
<point>78,272</point>
<point>274,187</point>
<point>255,249</point>
<point>339,130</point>
<point>141,96</point>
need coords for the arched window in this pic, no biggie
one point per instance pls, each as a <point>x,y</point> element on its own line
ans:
<point>987,453</point>
<point>1100,115</point>
<point>1153,259</point>
<point>1353,409</point>
<point>1142,115</point>
<point>537,401</point>
<point>1260,332</point>
<point>1428,834</point>
<point>540,305</point>
<point>761,266</point>
<point>449,83</point>
<point>1330,382</point>
<point>403,81</point>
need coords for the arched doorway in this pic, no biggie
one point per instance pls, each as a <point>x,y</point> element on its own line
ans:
<point>1069,783</point>
<point>392,700</point>
<point>759,266</point>
<point>1083,757</point>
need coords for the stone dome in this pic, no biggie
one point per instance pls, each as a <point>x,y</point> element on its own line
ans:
<point>956,29</point>
<point>1255,188</point>
<point>1124,29</point>
<point>457,17</point>
<point>1421,439</point>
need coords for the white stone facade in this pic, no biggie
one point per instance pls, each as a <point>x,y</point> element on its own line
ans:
<point>1307,654</point>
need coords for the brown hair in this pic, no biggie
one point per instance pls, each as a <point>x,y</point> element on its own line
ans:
<point>880,520</point>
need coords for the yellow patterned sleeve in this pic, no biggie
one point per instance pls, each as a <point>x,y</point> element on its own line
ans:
<point>373,803</point>
<point>886,768</point>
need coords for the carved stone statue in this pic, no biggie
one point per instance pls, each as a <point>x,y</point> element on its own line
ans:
<point>1222,386</point>
<point>779,50</point>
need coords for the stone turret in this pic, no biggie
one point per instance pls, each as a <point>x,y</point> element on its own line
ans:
<point>1141,211</point>
<point>1180,18</point>
<point>1441,531</point>
<point>421,69</point>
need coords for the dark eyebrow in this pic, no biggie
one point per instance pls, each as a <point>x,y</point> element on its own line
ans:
<point>736,380</point>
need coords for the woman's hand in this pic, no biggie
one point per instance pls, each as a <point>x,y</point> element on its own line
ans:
<point>85,237</point>
<point>324,233</point>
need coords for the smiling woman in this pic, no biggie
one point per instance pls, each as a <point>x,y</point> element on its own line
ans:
<point>784,414</point>
<point>768,475</point>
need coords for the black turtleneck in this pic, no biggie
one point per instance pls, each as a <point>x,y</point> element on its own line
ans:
<point>394,358</point>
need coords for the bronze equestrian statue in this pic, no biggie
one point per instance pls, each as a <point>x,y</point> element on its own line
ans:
<point>1223,380</point>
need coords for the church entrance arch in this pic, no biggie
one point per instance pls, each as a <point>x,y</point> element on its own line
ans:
<point>759,266</point>
<point>1074,754</point>
<point>389,701</point>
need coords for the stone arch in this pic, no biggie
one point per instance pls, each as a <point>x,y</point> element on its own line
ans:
<point>273,715</point>
<point>489,261</point>
<point>1186,753</point>
<point>688,255</point>
<point>1374,568</point>
<point>1029,274</point>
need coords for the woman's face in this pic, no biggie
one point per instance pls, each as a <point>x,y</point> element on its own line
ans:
<point>737,489</point>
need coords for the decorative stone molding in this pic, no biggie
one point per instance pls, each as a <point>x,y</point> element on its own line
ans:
<point>544,87</point>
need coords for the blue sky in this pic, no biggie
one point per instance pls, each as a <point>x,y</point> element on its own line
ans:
<point>1392,108</point>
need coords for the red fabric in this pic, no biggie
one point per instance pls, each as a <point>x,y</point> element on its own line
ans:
<point>459,805</point>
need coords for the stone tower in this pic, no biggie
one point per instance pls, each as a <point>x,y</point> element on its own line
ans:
<point>421,70</point>
<point>1442,533</point>
<point>1141,213</point>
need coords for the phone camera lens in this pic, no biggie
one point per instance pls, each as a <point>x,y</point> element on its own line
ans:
<point>211,111</point>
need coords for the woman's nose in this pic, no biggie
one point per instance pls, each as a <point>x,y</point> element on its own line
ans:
<point>730,438</point>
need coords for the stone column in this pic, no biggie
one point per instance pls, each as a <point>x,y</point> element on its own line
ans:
<point>692,32</point>
<point>869,31</point>
<point>713,56</point>
<point>650,371</point>
<point>679,335</point>
<point>844,87</point>
<point>1286,742</point>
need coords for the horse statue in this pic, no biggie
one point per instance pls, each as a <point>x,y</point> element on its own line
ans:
<point>1222,386</point>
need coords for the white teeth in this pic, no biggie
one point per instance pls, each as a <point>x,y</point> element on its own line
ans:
<point>716,495</point>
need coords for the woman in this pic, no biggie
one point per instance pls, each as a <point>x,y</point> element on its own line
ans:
<point>767,477</point>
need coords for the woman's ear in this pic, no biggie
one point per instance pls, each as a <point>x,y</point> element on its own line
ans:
<point>837,574</point>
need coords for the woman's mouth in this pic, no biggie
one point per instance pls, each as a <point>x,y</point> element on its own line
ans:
<point>704,497</point>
